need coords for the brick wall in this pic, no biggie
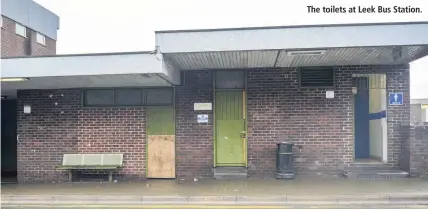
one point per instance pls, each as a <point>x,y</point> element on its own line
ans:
<point>115,130</point>
<point>13,44</point>
<point>419,149</point>
<point>320,128</point>
<point>52,130</point>
<point>277,110</point>
<point>47,133</point>
<point>194,146</point>
<point>38,49</point>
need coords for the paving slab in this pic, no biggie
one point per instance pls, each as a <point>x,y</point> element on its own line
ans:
<point>212,199</point>
<point>119,199</point>
<point>363,199</point>
<point>74,199</point>
<point>276,200</point>
<point>222,192</point>
<point>409,198</point>
<point>172,199</point>
<point>312,199</point>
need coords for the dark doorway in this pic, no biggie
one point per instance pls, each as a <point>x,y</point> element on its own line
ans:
<point>8,141</point>
<point>361,116</point>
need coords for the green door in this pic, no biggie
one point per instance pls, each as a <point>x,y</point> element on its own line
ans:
<point>229,125</point>
<point>160,142</point>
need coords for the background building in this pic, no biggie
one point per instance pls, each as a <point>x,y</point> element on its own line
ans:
<point>27,29</point>
<point>419,110</point>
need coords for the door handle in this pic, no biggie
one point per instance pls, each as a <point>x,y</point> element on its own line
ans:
<point>243,134</point>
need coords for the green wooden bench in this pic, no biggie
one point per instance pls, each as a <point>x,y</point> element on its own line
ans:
<point>109,162</point>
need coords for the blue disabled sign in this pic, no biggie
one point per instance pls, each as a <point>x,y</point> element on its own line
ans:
<point>395,98</point>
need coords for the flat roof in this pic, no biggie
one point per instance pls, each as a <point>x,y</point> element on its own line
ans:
<point>82,54</point>
<point>297,37</point>
<point>293,26</point>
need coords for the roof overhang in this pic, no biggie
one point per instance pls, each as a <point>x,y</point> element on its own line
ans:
<point>87,71</point>
<point>293,46</point>
<point>294,37</point>
<point>269,47</point>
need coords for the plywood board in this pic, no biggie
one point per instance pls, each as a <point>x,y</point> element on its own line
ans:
<point>161,156</point>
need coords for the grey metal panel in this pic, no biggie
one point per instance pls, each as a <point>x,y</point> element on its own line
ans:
<point>32,15</point>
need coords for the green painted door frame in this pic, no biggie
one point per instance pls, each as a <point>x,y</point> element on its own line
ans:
<point>167,113</point>
<point>230,125</point>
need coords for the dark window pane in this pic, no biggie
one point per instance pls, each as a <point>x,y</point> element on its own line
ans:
<point>128,97</point>
<point>229,79</point>
<point>159,96</point>
<point>99,98</point>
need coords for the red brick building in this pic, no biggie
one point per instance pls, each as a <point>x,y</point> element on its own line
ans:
<point>27,29</point>
<point>209,101</point>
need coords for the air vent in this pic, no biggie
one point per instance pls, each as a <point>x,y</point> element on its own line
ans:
<point>306,52</point>
<point>317,77</point>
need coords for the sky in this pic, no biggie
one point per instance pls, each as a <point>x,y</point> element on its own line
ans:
<point>95,26</point>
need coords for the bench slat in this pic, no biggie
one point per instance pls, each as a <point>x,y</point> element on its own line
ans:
<point>92,159</point>
<point>86,167</point>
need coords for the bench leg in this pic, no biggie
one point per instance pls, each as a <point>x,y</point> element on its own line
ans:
<point>70,176</point>
<point>110,176</point>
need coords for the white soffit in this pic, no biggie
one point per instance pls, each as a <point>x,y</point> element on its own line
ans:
<point>222,60</point>
<point>294,37</point>
<point>281,58</point>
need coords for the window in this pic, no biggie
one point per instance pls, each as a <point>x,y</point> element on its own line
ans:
<point>40,38</point>
<point>128,97</point>
<point>317,77</point>
<point>120,97</point>
<point>159,96</point>
<point>426,114</point>
<point>230,79</point>
<point>20,30</point>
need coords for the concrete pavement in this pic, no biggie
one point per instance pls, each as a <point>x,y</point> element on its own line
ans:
<point>247,192</point>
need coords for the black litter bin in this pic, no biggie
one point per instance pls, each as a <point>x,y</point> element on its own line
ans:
<point>284,161</point>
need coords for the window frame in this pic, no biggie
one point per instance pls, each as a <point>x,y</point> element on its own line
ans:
<point>316,67</point>
<point>17,25</point>
<point>41,35</point>
<point>426,114</point>
<point>114,105</point>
